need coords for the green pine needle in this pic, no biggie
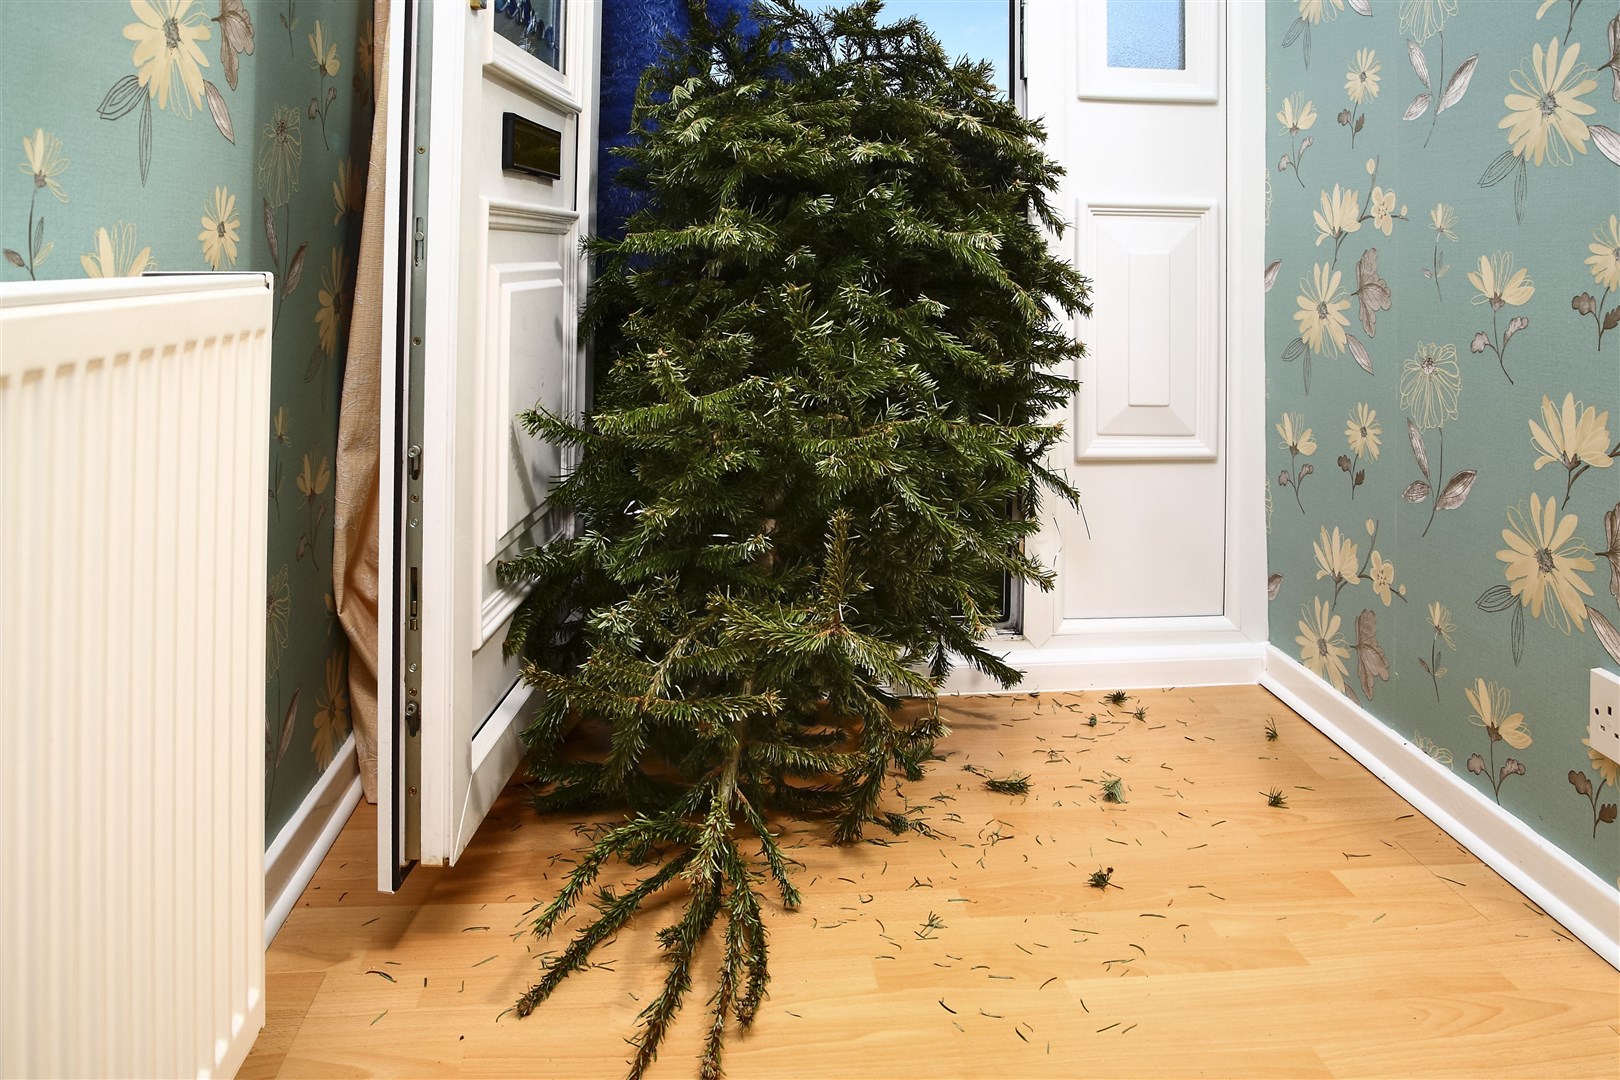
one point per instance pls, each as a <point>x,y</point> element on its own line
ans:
<point>1275,797</point>
<point>1116,697</point>
<point>1016,784</point>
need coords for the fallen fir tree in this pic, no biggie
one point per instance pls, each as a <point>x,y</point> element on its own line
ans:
<point>827,348</point>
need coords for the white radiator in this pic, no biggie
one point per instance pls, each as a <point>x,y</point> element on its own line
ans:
<point>134,421</point>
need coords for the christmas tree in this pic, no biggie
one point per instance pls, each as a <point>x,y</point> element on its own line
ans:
<point>827,351</point>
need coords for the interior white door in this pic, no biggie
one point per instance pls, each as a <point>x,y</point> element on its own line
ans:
<point>1134,97</point>
<point>503,146</point>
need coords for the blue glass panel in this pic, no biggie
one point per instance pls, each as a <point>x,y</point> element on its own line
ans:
<point>977,29</point>
<point>535,26</point>
<point>1147,34</point>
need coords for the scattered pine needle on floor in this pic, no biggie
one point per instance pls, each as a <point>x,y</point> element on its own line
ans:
<point>1016,784</point>
<point>1043,931</point>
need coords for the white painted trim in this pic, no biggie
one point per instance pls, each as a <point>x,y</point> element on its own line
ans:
<point>1116,666</point>
<point>395,291</point>
<point>1244,373</point>
<point>1582,902</point>
<point>303,842</point>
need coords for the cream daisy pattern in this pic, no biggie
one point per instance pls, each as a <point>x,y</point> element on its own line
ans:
<point>43,163</point>
<point>1608,776</point>
<point>1321,647</point>
<point>312,483</point>
<point>1381,205</point>
<point>1430,383</point>
<point>1500,286</point>
<point>221,229</point>
<point>333,314</point>
<point>1544,561</point>
<point>167,56</point>
<point>1381,573</point>
<point>1312,14</point>
<point>1441,626</point>
<point>281,159</point>
<point>348,191</point>
<point>1362,431</point>
<point>167,38</point>
<point>326,62</point>
<point>281,154</point>
<point>1296,438</point>
<point>1322,304</point>
<point>1296,116</point>
<point>1299,442</point>
<point>1604,264</point>
<point>1545,107</point>
<point>1339,216</point>
<point>1573,435</point>
<point>116,253</point>
<point>1336,559</point>
<point>1361,82</point>
<point>1544,116</point>
<point>1493,711</point>
<point>1361,86</point>
<point>1443,221</point>
<point>1422,19</point>
<point>331,711</point>
<point>277,615</point>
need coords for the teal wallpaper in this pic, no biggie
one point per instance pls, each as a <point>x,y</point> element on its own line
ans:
<point>1443,381</point>
<point>215,135</point>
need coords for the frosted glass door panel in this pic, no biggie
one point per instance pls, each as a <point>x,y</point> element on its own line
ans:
<point>1147,34</point>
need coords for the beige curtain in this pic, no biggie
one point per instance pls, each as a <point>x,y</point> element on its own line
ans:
<point>355,526</point>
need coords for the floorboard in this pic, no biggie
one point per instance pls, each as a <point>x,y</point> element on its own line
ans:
<point>1340,935</point>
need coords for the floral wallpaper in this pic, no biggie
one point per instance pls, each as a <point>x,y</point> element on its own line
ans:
<point>1443,373</point>
<point>216,135</point>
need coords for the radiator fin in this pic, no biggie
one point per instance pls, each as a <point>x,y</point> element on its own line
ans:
<point>133,455</point>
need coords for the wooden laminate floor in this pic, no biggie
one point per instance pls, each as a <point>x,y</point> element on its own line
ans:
<point>1340,935</point>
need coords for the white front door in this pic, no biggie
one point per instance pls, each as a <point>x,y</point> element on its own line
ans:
<point>1135,98</point>
<point>502,152</point>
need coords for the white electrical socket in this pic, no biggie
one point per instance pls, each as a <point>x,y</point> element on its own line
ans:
<point>1603,723</point>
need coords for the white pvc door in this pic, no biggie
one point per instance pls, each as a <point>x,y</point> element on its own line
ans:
<point>502,156</point>
<point>1133,95</point>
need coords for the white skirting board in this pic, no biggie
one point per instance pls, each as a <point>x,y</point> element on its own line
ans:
<point>303,842</point>
<point>1112,667</point>
<point>1580,900</point>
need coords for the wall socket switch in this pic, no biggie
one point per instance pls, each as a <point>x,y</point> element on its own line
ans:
<point>1603,722</point>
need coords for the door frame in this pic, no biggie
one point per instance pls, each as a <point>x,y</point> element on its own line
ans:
<point>395,321</point>
<point>432,755</point>
<point>1208,650</point>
